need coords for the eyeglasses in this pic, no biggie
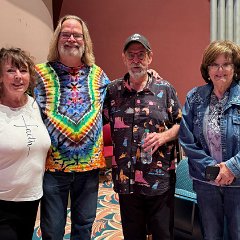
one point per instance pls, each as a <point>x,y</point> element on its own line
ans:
<point>225,66</point>
<point>67,35</point>
<point>131,55</point>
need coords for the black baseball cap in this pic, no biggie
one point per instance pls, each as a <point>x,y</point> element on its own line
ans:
<point>136,37</point>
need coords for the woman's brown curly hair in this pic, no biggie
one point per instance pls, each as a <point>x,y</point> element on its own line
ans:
<point>19,58</point>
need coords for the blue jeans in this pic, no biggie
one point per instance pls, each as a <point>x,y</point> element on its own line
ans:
<point>219,205</point>
<point>83,188</point>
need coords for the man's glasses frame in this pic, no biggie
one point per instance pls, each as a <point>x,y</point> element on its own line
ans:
<point>140,55</point>
<point>67,35</point>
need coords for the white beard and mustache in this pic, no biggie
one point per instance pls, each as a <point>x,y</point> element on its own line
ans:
<point>74,50</point>
<point>142,71</point>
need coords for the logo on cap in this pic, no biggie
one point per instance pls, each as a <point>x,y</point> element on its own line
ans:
<point>136,36</point>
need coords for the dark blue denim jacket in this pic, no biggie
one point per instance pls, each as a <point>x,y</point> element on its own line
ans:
<point>191,134</point>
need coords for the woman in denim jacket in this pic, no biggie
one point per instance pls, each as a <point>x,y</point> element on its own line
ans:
<point>210,135</point>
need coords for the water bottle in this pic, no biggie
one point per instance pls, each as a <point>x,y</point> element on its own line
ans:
<point>146,156</point>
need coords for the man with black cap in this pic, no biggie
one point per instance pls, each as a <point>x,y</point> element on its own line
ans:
<point>135,104</point>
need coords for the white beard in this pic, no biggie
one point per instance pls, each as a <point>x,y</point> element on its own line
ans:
<point>76,51</point>
<point>137,75</point>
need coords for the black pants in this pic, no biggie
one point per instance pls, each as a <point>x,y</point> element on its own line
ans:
<point>17,219</point>
<point>140,212</point>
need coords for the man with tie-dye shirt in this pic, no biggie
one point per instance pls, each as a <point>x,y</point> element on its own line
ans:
<point>134,103</point>
<point>70,93</point>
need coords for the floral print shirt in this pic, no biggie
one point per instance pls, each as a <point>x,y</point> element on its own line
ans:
<point>156,108</point>
<point>212,129</point>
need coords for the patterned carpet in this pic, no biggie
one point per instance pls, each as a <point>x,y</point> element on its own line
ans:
<point>108,222</point>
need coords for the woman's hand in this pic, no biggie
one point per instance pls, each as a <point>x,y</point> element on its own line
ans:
<point>225,176</point>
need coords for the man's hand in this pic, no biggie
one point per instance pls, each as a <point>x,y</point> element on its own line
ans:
<point>154,73</point>
<point>225,176</point>
<point>155,140</point>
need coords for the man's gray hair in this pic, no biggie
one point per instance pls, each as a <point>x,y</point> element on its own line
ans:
<point>88,56</point>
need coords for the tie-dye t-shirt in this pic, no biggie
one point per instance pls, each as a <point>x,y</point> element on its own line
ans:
<point>71,101</point>
<point>155,108</point>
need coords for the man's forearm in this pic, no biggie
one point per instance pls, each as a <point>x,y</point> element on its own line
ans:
<point>171,134</point>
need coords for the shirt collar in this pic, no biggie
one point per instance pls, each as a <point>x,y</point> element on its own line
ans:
<point>127,88</point>
<point>72,70</point>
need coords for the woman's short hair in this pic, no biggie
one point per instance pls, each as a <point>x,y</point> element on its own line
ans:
<point>19,58</point>
<point>88,56</point>
<point>229,49</point>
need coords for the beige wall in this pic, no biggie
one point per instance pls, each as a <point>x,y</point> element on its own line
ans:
<point>27,24</point>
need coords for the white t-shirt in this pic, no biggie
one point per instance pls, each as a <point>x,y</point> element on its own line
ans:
<point>24,143</point>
